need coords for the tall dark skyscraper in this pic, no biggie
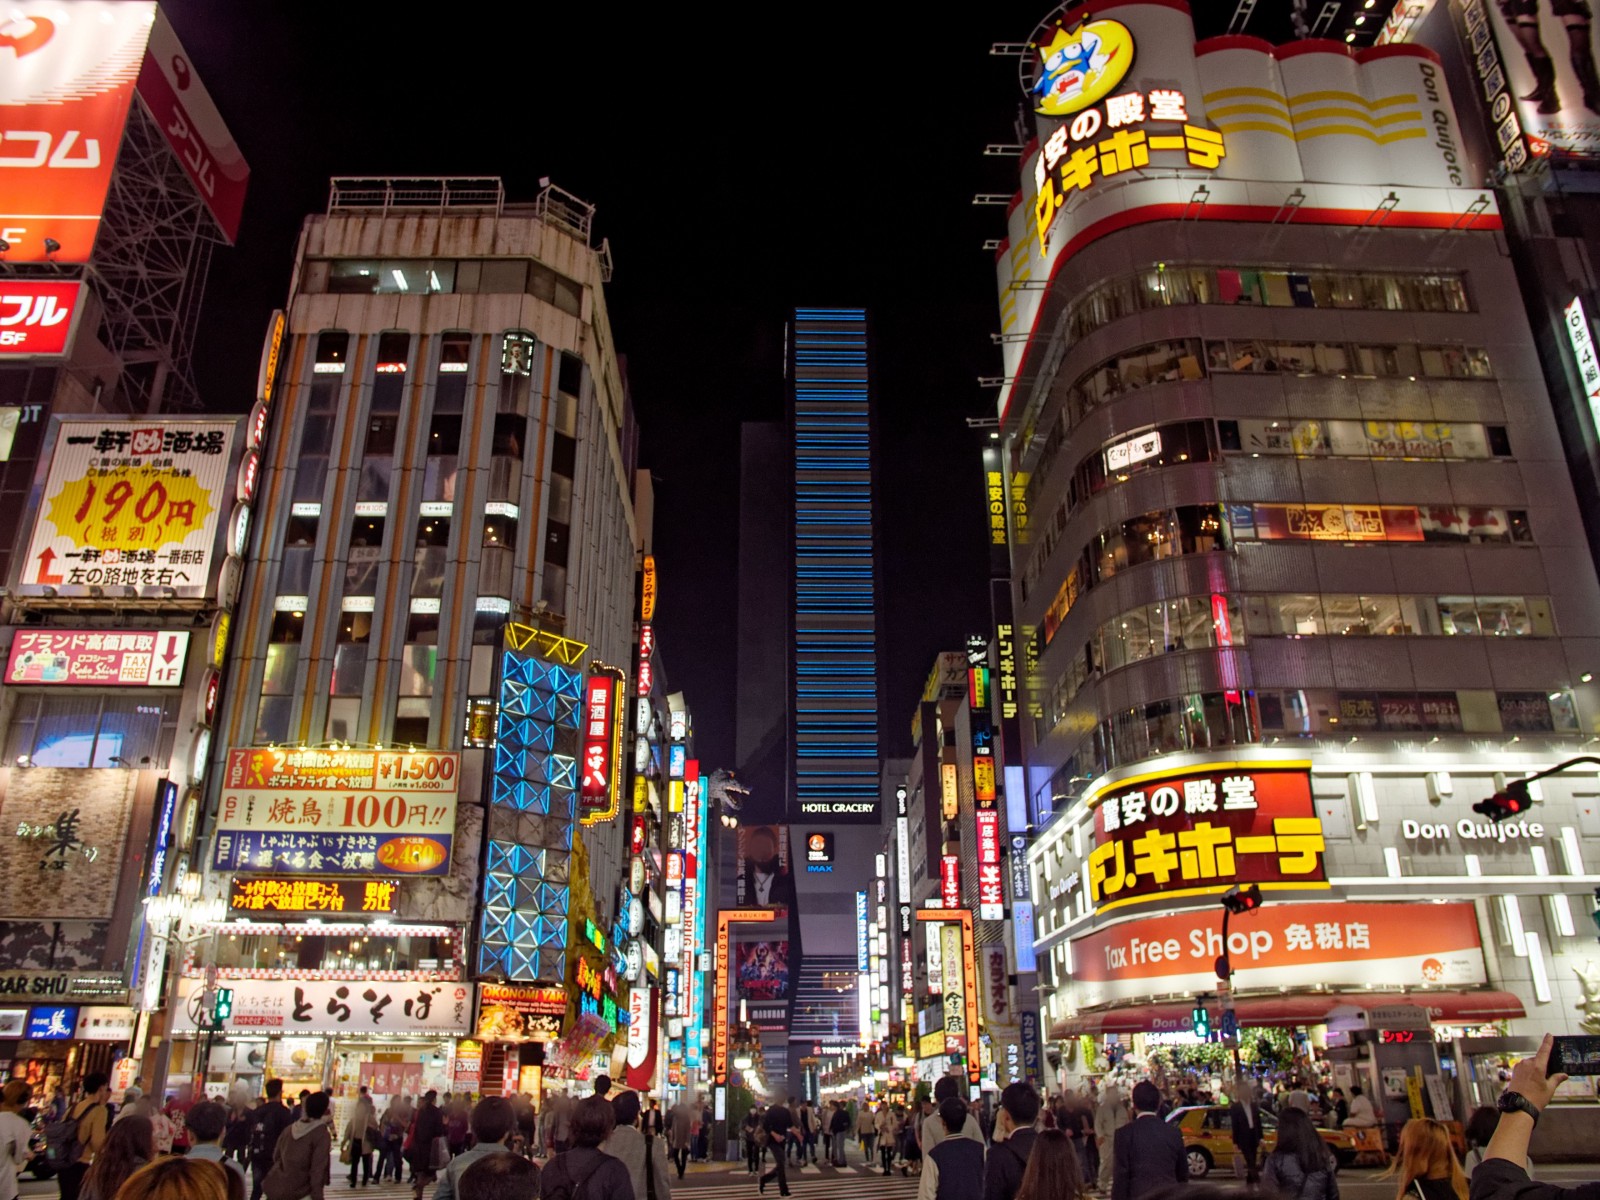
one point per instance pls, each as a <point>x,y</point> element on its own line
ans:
<point>835,570</point>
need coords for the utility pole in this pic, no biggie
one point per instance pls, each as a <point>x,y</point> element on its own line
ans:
<point>1235,900</point>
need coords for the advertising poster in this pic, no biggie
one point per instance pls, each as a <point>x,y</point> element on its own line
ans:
<point>331,812</point>
<point>1163,836</point>
<point>520,1012</point>
<point>761,971</point>
<point>1547,50</point>
<point>128,504</point>
<point>97,658</point>
<point>1335,944</point>
<point>764,879</point>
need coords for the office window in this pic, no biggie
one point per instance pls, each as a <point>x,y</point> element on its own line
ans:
<point>363,557</point>
<point>420,657</point>
<point>110,731</point>
<point>431,556</point>
<point>350,653</point>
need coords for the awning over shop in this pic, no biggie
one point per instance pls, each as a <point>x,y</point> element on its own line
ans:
<point>1374,1010</point>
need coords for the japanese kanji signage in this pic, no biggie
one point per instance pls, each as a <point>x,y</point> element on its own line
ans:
<point>1338,944</point>
<point>337,812</point>
<point>37,316</point>
<point>602,746</point>
<point>520,1012</point>
<point>991,888</point>
<point>337,1006</point>
<point>291,895</point>
<point>1192,834</point>
<point>1582,342</point>
<point>98,657</point>
<point>950,880</point>
<point>131,504</point>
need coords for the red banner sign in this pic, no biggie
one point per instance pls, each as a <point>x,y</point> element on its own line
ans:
<point>602,745</point>
<point>991,886</point>
<point>36,316</point>
<point>1161,836</point>
<point>950,881</point>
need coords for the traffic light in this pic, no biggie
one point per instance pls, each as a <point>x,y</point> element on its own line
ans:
<point>1202,1021</point>
<point>1242,899</point>
<point>222,1006</point>
<point>1501,806</point>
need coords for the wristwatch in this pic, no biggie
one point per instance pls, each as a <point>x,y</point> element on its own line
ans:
<point>1516,1102</point>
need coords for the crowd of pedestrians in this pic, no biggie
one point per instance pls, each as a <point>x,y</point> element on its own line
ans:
<point>622,1146</point>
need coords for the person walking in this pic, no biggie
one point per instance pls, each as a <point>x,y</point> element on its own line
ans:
<point>1110,1116</point>
<point>430,1151</point>
<point>641,1151</point>
<point>494,1120</point>
<point>1300,1167</point>
<point>73,1142</point>
<point>206,1122</point>
<point>680,1132</point>
<point>360,1136</point>
<point>883,1125</point>
<point>866,1132</point>
<point>776,1123</point>
<point>266,1127</point>
<point>1014,1139</point>
<point>953,1169</point>
<point>586,1171</point>
<point>301,1159</point>
<point>130,1145</point>
<point>806,1118</point>
<point>1244,1120</point>
<point>839,1128</point>
<point>15,1134</point>
<point>1426,1166</point>
<point>500,1177</point>
<point>1054,1172</point>
<point>1148,1155</point>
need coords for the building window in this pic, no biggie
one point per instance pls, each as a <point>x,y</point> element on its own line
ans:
<point>125,732</point>
<point>569,376</point>
<point>333,349</point>
<point>364,556</point>
<point>431,556</point>
<point>299,553</point>
<point>350,654</point>
<point>420,658</point>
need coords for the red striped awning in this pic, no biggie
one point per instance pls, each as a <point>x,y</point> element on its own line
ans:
<point>1396,1010</point>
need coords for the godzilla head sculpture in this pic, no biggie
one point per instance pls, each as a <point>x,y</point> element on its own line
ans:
<point>727,794</point>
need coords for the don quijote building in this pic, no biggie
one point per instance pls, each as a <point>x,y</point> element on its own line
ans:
<point>1297,567</point>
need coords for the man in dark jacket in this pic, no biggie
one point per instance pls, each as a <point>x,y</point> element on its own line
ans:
<point>953,1170</point>
<point>1148,1153</point>
<point>1014,1137</point>
<point>1244,1119</point>
<point>267,1123</point>
<point>585,1169</point>
<point>776,1123</point>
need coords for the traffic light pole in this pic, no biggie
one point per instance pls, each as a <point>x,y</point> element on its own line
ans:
<point>1230,1018</point>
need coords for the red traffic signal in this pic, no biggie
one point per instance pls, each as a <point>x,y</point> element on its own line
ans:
<point>1501,806</point>
<point>1242,899</point>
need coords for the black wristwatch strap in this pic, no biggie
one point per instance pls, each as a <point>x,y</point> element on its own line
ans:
<point>1516,1102</point>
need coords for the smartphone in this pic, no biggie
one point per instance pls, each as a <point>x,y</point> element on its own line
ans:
<point>1575,1055</point>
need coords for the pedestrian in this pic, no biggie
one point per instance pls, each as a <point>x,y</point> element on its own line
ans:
<point>585,1170</point>
<point>1298,1097</point>
<point>130,1144</point>
<point>1244,1120</point>
<point>1054,1172</point>
<point>430,1149</point>
<point>181,1178</point>
<point>15,1135</point>
<point>839,1127</point>
<point>206,1123</point>
<point>494,1120</point>
<point>884,1126</point>
<point>806,1120</point>
<point>702,1148</point>
<point>641,1151</point>
<point>1339,1109</point>
<point>72,1142</point>
<point>458,1126</point>
<point>360,1138</point>
<point>236,1138</point>
<point>500,1177</point>
<point>750,1130</point>
<point>680,1132</point>
<point>776,1122</point>
<point>301,1159</point>
<point>1300,1167</point>
<point>655,1124</point>
<point>267,1125</point>
<point>1426,1165</point>
<point>1110,1116</point>
<point>1362,1114</point>
<point>1149,1155</point>
<point>602,1086</point>
<point>933,1129</point>
<point>953,1169</point>
<point>866,1132</point>
<point>1014,1140</point>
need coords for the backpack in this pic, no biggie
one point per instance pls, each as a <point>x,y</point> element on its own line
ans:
<point>62,1148</point>
<point>262,1141</point>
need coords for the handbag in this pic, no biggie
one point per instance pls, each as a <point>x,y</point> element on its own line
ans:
<point>439,1153</point>
<point>347,1154</point>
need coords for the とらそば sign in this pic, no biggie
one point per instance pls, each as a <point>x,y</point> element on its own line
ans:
<point>1200,832</point>
<point>334,1006</point>
<point>1080,67</point>
<point>131,504</point>
<point>97,658</point>
<point>337,812</point>
<point>1338,944</point>
<point>290,895</point>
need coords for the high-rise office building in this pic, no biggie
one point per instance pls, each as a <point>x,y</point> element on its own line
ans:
<point>1298,572</point>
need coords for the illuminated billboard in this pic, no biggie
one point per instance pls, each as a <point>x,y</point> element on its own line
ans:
<point>603,710</point>
<point>131,504</point>
<point>97,658</point>
<point>1547,53</point>
<point>69,71</point>
<point>37,316</point>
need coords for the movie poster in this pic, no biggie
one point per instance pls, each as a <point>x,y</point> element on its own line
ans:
<point>761,970</point>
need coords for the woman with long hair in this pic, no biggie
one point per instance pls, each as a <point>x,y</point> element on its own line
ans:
<point>183,1179</point>
<point>130,1145</point>
<point>1053,1172</point>
<point>1426,1165</point>
<point>1300,1167</point>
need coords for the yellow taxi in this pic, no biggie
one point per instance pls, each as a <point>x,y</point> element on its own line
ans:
<point>1208,1137</point>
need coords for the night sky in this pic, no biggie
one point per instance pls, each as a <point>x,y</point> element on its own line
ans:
<point>823,155</point>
